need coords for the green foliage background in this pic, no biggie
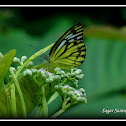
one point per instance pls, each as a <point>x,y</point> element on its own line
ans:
<point>105,38</point>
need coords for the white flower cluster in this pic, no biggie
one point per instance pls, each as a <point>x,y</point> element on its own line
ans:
<point>21,61</point>
<point>17,60</point>
<point>74,95</point>
<point>42,74</point>
<point>73,75</point>
<point>77,73</point>
<point>58,75</point>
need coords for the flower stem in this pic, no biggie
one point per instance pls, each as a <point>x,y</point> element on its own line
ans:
<point>13,101</point>
<point>20,93</point>
<point>63,109</point>
<point>53,97</point>
<point>64,81</point>
<point>39,113</point>
<point>44,103</point>
<point>65,102</point>
<point>58,113</point>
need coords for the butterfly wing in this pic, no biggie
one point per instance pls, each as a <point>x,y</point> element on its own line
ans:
<point>69,51</point>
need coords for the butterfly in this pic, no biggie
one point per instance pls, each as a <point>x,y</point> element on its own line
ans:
<point>69,51</point>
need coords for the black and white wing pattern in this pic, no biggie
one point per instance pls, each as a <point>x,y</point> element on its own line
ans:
<point>69,51</point>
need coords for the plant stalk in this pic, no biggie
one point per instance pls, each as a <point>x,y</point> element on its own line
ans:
<point>53,97</point>
<point>13,101</point>
<point>20,93</point>
<point>65,106</point>
<point>44,103</point>
<point>58,113</point>
<point>39,113</point>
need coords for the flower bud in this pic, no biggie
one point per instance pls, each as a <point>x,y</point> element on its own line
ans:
<point>29,65</point>
<point>70,93</point>
<point>49,80</point>
<point>44,75</point>
<point>27,72</point>
<point>57,69</point>
<point>34,70</point>
<point>78,71</point>
<point>18,67</point>
<point>82,90</point>
<point>1,55</point>
<point>57,77</point>
<point>23,58</point>
<point>13,69</point>
<point>16,60</point>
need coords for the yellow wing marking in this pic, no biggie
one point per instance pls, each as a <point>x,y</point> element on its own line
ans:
<point>79,30</point>
<point>70,45</point>
<point>78,27</point>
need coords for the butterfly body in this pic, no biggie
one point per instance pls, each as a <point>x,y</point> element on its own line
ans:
<point>69,51</point>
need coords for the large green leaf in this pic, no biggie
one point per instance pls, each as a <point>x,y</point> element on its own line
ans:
<point>31,93</point>
<point>5,63</point>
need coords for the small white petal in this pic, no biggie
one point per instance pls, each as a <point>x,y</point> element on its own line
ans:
<point>34,70</point>
<point>17,60</point>
<point>13,69</point>
<point>57,69</point>
<point>23,58</point>
<point>28,72</point>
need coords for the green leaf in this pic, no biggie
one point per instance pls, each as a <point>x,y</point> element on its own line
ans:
<point>2,78</point>
<point>31,93</point>
<point>5,63</point>
<point>5,104</point>
<point>7,60</point>
<point>106,32</point>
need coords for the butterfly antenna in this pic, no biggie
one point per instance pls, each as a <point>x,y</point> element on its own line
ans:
<point>33,47</point>
<point>42,59</point>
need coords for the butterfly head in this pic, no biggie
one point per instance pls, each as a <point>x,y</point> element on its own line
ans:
<point>46,58</point>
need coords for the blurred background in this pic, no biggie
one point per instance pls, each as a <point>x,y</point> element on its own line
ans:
<point>105,38</point>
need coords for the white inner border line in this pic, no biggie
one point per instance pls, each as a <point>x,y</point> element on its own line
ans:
<point>62,5</point>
